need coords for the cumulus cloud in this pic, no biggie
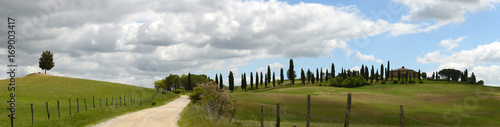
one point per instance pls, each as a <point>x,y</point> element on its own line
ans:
<point>274,67</point>
<point>484,73</point>
<point>364,57</point>
<point>442,12</point>
<point>449,44</point>
<point>474,59</point>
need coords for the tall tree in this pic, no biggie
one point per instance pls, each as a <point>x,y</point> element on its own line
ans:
<point>302,76</point>
<point>265,81</point>
<point>419,74</point>
<point>309,73</point>
<point>274,81</point>
<point>376,76</point>
<point>282,76</point>
<point>251,81</point>
<point>312,81</point>
<point>292,72</point>
<point>243,86</point>
<point>333,70</point>
<point>372,75</point>
<point>473,78</point>
<point>231,81</point>
<point>326,76</point>
<point>268,74</point>
<point>382,72</point>
<point>366,73</point>
<point>46,61</point>
<point>245,81</point>
<point>321,75</point>
<point>257,80</point>
<point>317,74</point>
<point>216,79</point>
<point>362,70</point>
<point>221,84</point>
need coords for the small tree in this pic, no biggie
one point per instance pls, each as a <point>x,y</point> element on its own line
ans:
<point>268,74</point>
<point>321,75</point>
<point>333,70</point>
<point>473,78</point>
<point>274,81</point>
<point>302,76</point>
<point>372,76</point>
<point>291,72</point>
<point>251,81</point>
<point>317,74</point>
<point>382,72</point>
<point>282,76</point>
<point>309,73</point>
<point>216,79</point>
<point>388,70</point>
<point>261,79</point>
<point>46,61</point>
<point>257,80</point>
<point>221,84</point>
<point>326,76</point>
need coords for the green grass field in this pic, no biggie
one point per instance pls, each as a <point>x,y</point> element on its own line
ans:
<point>373,105</point>
<point>41,89</point>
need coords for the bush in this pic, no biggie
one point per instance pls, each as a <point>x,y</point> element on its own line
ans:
<point>337,81</point>
<point>178,91</point>
<point>412,81</point>
<point>153,103</point>
<point>383,82</point>
<point>421,82</point>
<point>480,82</point>
<point>395,82</point>
<point>195,96</point>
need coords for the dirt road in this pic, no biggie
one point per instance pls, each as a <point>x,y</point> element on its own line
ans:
<point>163,116</point>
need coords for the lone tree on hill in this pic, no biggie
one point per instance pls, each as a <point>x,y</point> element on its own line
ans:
<point>46,61</point>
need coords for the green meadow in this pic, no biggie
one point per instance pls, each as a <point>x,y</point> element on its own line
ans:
<point>38,90</point>
<point>429,104</point>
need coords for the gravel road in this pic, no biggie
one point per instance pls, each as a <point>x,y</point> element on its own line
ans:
<point>162,116</point>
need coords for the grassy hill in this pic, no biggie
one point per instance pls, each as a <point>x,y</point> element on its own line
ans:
<point>373,105</point>
<point>38,89</point>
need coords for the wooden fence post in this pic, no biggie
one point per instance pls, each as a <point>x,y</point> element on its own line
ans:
<point>308,110</point>
<point>48,113</point>
<point>58,111</point>
<point>124,101</point>
<point>261,116</point>
<point>69,106</point>
<point>232,115</point>
<point>32,118</point>
<point>112,98</point>
<point>85,103</point>
<point>346,122</point>
<point>278,115</point>
<point>93,102</point>
<point>77,105</point>
<point>401,116</point>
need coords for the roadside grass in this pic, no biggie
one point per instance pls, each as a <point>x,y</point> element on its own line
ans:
<point>439,102</point>
<point>41,89</point>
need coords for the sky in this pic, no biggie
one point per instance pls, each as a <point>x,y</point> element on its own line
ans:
<point>139,41</point>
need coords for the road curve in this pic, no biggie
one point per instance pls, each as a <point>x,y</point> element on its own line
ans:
<point>162,116</point>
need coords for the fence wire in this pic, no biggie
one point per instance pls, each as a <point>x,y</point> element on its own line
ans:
<point>425,122</point>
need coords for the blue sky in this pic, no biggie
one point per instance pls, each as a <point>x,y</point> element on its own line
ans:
<point>151,39</point>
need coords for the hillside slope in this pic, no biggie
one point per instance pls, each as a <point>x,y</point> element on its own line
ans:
<point>38,89</point>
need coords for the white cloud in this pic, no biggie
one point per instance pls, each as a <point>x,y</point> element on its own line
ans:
<point>441,12</point>
<point>450,44</point>
<point>364,57</point>
<point>356,68</point>
<point>469,59</point>
<point>274,67</point>
<point>485,73</point>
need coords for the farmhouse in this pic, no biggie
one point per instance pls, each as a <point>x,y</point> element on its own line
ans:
<point>403,71</point>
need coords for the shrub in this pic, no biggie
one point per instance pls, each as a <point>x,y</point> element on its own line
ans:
<point>480,82</point>
<point>178,91</point>
<point>153,102</point>
<point>411,82</point>
<point>383,82</point>
<point>195,96</point>
<point>421,82</point>
<point>395,82</point>
<point>337,81</point>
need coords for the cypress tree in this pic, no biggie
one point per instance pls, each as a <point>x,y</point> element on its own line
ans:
<point>302,76</point>
<point>317,74</point>
<point>362,70</point>
<point>265,81</point>
<point>366,73</point>
<point>419,74</point>
<point>312,76</point>
<point>231,81</point>
<point>372,74</point>
<point>382,72</point>
<point>309,75</point>
<point>251,81</point>
<point>216,79</point>
<point>399,75</point>
<point>321,75</point>
<point>407,75</point>
<point>257,80</point>
<point>291,72</point>
<point>261,79</point>
<point>376,76</point>
<point>268,74</point>
<point>274,81</point>
<point>221,84</point>
<point>189,81</point>
<point>388,69</point>
<point>473,78</point>
<point>282,76</point>
<point>326,76</point>
<point>333,70</point>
